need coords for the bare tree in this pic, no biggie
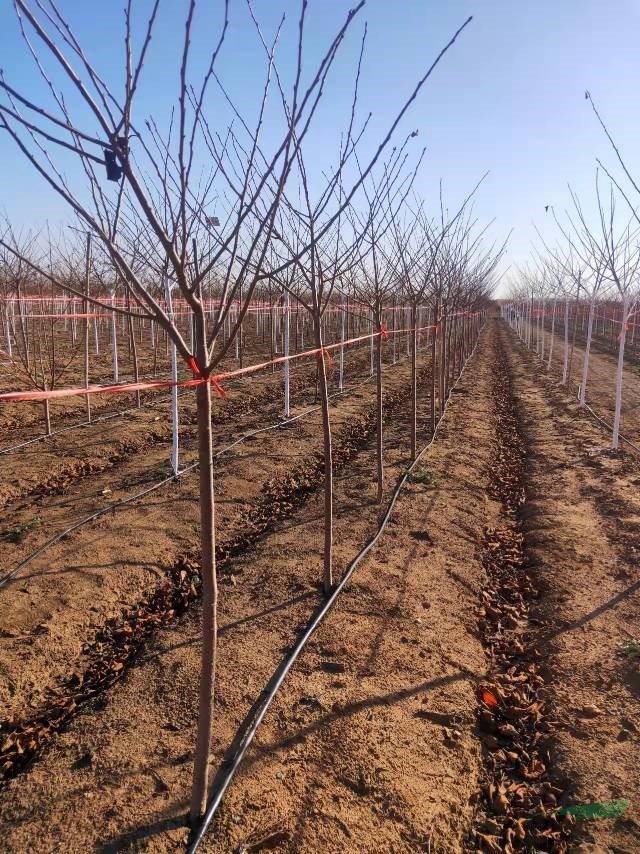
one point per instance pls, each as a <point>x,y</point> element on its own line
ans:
<point>157,208</point>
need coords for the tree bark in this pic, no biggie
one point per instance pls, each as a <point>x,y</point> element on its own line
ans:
<point>414,385</point>
<point>553,330</point>
<point>443,331</point>
<point>47,418</point>
<point>619,372</point>
<point>573,338</point>
<point>379,425</point>
<point>328,462</point>
<point>434,338</point>
<point>582,396</point>
<point>209,607</point>
<point>86,326</point>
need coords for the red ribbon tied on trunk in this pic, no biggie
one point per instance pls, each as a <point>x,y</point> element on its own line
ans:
<point>195,370</point>
<point>191,361</point>
<point>383,331</point>
<point>323,353</point>
<point>625,328</point>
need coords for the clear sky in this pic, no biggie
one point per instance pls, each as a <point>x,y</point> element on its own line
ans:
<point>508,98</point>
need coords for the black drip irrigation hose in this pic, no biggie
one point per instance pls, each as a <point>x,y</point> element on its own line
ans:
<point>5,579</point>
<point>586,406</point>
<point>254,717</point>
<point>609,427</point>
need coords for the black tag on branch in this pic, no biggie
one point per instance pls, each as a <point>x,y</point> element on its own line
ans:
<point>114,170</point>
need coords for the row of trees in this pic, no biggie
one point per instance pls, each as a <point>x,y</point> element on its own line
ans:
<point>588,279</point>
<point>213,207</point>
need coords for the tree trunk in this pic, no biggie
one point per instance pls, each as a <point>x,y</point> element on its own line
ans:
<point>86,326</point>
<point>619,372</point>
<point>342,339</point>
<point>434,338</point>
<point>379,425</point>
<point>285,350</point>
<point>328,462</point>
<point>47,417</point>
<point>443,336</point>
<point>553,329</point>
<point>133,349</point>
<point>414,386</point>
<point>565,364</point>
<point>209,607</point>
<point>573,339</point>
<point>582,396</point>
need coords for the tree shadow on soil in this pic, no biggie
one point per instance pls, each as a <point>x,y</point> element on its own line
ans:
<point>339,713</point>
<point>138,834</point>
<point>243,621</point>
<point>592,615</point>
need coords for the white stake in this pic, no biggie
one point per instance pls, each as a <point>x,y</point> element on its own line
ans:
<point>286,354</point>
<point>371,357</point>
<point>114,340</point>
<point>582,396</point>
<point>8,337</point>
<point>623,335</point>
<point>174,389</point>
<point>341,377</point>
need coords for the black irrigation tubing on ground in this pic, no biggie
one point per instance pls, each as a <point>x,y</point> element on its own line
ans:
<point>591,412</point>
<point>255,716</point>
<point>609,427</point>
<point>5,579</point>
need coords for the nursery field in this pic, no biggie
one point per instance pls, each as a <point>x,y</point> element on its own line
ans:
<point>319,506</point>
<point>478,671</point>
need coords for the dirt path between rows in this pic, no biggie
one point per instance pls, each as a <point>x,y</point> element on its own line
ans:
<point>583,533</point>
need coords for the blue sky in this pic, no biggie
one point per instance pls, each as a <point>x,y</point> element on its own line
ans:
<point>508,98</point>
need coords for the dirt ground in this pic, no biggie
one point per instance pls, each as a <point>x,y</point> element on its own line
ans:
<point>55,604</point>
<point>375,741</point>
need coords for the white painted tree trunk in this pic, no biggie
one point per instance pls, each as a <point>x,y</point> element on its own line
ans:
<point>553,329</point>
<point>582,396</point>
<point>565,363</point>
<point>287,410</point>
<point>114,341</point>
<point>393,336</point>
<point>341,375</point>
<point>622,337</point>
<point>175,442</point>
<point>408,325</point>
<point>7,328</point>
<point>371,347</point>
